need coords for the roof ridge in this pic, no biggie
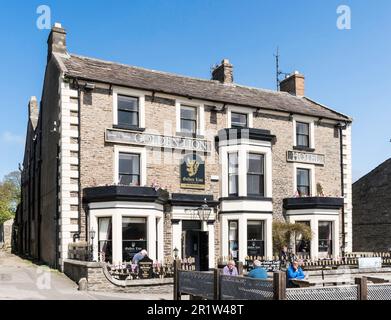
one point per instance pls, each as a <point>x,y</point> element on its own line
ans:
<point>182,76</point>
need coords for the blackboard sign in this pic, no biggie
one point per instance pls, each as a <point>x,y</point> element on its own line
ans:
<point>269,265</point>
<point>192,172</point>
<point>145,267</point>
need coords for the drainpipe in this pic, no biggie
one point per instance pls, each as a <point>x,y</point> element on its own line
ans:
<point>341,127</point>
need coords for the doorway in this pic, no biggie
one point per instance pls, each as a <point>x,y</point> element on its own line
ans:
<point>195,243</point>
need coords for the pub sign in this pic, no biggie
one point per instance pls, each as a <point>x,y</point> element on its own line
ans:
<point>192,172</point>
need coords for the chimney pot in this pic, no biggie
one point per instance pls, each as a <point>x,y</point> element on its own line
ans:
<point>294,84</point>
<point>223,72</point>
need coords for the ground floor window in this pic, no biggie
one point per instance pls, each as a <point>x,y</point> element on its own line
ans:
<point>255,238</point>
<point>134,237</point>
<point>303,247</point>
<point>325,231</point>
<point>105,237</point>
<point>233,239</point>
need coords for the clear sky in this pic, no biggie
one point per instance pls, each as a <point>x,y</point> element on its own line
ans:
<point>348,70</point>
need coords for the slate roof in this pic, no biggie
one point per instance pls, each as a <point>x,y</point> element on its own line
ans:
<point>211,90</point>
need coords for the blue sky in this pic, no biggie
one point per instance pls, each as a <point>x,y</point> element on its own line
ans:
<point>348,70</point>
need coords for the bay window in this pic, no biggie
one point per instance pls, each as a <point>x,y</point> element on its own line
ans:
<point>134,237</point>
<point>325,234</point>
<point>105,243</point>
<point>233,239</point>
<point>233,174</point>
<point>255,238</point>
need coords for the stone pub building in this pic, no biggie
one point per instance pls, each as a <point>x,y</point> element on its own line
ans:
<point>131,154</point>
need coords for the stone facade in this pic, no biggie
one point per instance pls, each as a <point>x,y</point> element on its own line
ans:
<point>371,210</point>
<point>72,154</point>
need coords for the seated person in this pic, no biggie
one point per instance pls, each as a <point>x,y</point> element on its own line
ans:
<point>230,269</point>
<point>139,256</point>
<point>294,272</point>
<point>258,272</point>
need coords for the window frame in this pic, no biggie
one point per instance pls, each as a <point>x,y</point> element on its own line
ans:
<point>133,150</point>
<point>238,126</point>
<point>248,173</point>
<point>133,93</point>
<point>195,120</point>
<point>311,127</point>
<point>308,136</point>
<point>137,113</point>
<point>309,182</point>
<point>126,174</point>
<point>233,174</point>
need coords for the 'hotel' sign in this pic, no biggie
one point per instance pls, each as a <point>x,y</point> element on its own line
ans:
<point>305,157</point>
<point>158,141</point>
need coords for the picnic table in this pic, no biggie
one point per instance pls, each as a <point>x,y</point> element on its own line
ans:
<point>335,280</point>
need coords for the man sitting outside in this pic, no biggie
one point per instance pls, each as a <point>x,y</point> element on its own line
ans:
<point>258,272</point>
<point>294,272</point>
<point>230,269</point>
<point>139,256</point>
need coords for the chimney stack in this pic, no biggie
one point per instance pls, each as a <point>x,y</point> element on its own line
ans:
<point>293,84</point>
<point>33,111</point>
<point>57,40</point>
<point>223,72</point>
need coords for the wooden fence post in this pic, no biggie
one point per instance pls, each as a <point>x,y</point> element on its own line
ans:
<point>362,284</point>
<point>216,284</point>
<point>177,267</point>
<point>279,285</point>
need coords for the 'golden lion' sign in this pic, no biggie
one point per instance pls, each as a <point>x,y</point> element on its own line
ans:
<point>192,172</point>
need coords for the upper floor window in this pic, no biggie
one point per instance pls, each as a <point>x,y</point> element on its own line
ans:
<point>303,182</point>
<point>189,119</point>
<point>129,169</point>
<point>255,174</point>
<point>128,111</point>
<point>233,174</point>
<point>239,120</point>
<point>302,134</point>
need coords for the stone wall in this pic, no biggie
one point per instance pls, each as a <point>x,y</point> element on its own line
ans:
<point>98,279</point>
<point>97,156</point>
<point>372,211</point>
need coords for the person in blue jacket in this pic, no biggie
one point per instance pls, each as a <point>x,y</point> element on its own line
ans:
<point>294,272</point>
<point>258,272</point>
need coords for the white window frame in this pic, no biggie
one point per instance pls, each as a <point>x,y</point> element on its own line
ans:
<point>130,93</point>
<point>311,122</point>
<point>200,114</point>
<point>243,110</point>
<point>243,150</point>
<point>141,151</point>
<point>312,177</point>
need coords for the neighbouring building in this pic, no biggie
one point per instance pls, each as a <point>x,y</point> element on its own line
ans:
<point>105,136</point>
<point>372,211</point>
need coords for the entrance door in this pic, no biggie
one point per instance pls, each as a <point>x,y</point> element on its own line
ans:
<point>195,244</point>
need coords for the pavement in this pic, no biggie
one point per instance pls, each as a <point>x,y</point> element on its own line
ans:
<point>22,280</point>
